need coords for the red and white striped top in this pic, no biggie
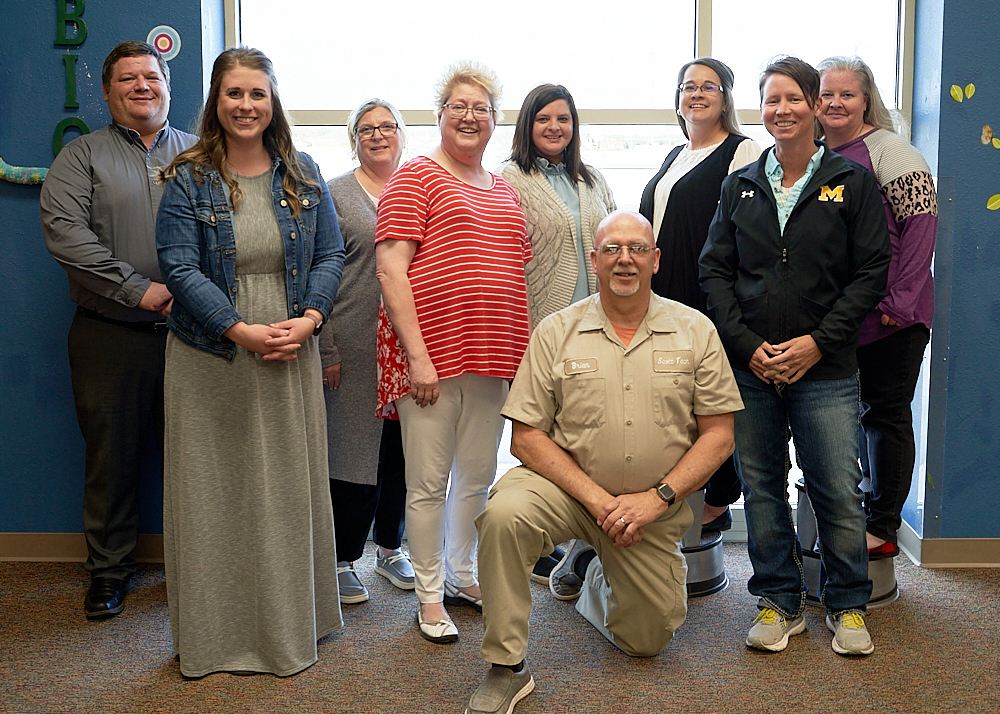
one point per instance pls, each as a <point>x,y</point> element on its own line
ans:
<point>467,276</point>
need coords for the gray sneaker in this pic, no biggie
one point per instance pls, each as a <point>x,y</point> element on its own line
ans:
<point>351,588</point>
<point>564,583</point>
<point>397,568</point>
<point>500,691</point>
<point>850,635</point>
<point>771,630</point>
<point>546,564</point>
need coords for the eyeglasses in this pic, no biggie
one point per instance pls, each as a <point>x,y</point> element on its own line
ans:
<point>611,250</point>
<point>459,111</point>
<point>367,132</point>
<point>707,88</point>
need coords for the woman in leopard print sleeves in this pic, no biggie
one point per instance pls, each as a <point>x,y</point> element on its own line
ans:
<point>894,335</point>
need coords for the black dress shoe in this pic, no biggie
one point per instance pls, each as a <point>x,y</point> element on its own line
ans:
<point>106,597</point>
<point>719,523</point>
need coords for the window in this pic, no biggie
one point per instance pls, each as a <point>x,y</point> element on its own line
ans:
<point>620,60</point>
<point>747,33</point>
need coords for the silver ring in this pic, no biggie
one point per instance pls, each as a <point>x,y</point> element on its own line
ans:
<point>622,519</point>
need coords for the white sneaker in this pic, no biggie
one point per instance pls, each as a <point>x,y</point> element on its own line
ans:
<point>771,630</point>
<point>850,635</point>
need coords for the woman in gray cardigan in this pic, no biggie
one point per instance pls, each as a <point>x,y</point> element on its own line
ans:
<point>563,201</point>
<point>366,453</point>
<point>562,198</point>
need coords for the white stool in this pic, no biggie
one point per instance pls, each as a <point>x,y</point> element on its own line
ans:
<point>882,572</point>
<point>703,553</point>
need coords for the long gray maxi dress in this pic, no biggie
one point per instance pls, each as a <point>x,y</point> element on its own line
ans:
<point>247,523</point>
<point>354,432</point>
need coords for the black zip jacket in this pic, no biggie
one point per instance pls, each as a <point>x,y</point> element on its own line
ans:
<point>821,277</point>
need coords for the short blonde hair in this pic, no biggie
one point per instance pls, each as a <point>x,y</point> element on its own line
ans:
<point>468,72</point>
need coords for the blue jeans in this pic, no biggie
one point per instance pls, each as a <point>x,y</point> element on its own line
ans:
<point>824,417</point>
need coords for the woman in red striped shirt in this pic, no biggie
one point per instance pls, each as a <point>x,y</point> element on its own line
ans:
<point>450,249</point>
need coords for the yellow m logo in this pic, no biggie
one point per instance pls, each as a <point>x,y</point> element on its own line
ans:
<point>835,194</point>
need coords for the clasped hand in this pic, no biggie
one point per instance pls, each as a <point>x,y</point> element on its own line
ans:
<point>278,341</point>
<point>785,363</point>
<point>624,518</point>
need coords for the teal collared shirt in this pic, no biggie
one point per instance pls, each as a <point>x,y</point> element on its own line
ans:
<point>569,192</point>
<point>786,201</point>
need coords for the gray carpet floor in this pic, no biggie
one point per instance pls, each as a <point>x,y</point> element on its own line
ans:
<point>936,651</point>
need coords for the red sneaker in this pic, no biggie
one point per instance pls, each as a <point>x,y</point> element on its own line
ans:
<point>886,550</point>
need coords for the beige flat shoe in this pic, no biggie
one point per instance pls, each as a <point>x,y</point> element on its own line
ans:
<point>441,632</point>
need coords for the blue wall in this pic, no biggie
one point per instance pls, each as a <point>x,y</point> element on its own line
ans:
<point>963,426</point>
<point>41,451</point>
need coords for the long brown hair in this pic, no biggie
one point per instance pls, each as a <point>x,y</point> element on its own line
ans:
<point>210,151</point>
<point>523,151</point>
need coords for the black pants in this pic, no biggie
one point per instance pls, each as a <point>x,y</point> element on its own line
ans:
<point>889,369</point>
<point>117,375</point>
<point>357,505</point>
<point>724,488</point>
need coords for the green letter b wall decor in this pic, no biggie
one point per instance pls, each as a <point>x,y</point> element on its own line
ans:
<point>65,18</point>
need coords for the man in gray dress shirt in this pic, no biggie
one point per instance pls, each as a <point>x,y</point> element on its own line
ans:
<point>98,209</point>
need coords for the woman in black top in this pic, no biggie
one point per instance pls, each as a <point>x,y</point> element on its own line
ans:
<point>680,201</point>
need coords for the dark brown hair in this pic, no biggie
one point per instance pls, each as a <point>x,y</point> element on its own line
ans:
<point>132,48</point>
<point>803,73</point>
<point>523,152</point>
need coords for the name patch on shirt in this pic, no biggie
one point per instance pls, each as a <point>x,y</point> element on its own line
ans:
<point>579,366</point>
<point>673,361</point>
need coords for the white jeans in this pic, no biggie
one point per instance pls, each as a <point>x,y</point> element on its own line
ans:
<point>459,435</point>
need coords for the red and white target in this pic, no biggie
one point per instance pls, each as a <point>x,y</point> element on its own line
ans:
<point>165,39</point>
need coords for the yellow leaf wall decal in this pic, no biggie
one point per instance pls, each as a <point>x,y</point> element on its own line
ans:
<point>994,202</point>
<point>970,89</point>
<point>956,93</point>
<point>996,143</point>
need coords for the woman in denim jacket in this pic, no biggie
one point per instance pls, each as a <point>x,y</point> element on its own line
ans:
<point>249,247</point>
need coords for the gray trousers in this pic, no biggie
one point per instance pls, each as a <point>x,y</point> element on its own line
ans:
<point>635,596</point>
<point>117,375</point>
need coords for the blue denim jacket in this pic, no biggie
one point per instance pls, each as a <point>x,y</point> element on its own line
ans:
<point>197,253</point>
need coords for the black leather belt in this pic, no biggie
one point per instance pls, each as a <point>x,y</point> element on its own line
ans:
<point>158,326</point>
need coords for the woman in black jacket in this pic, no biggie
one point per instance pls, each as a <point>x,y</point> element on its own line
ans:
<point>797,255</point>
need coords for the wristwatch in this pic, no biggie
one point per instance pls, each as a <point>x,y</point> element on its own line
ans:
<point>319,323</point>
<point>666,493</point>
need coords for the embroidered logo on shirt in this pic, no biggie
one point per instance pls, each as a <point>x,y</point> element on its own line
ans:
<point>747,194</point>
<point>835,194</point>
<point>579,366</point>
<point>673,361</point>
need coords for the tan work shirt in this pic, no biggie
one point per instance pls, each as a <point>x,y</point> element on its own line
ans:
<point>625,414</point>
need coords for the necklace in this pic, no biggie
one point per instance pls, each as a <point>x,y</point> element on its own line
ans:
<point>781,193</point>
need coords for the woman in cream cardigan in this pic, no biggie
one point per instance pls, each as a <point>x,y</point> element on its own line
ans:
<point>563,200</point>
